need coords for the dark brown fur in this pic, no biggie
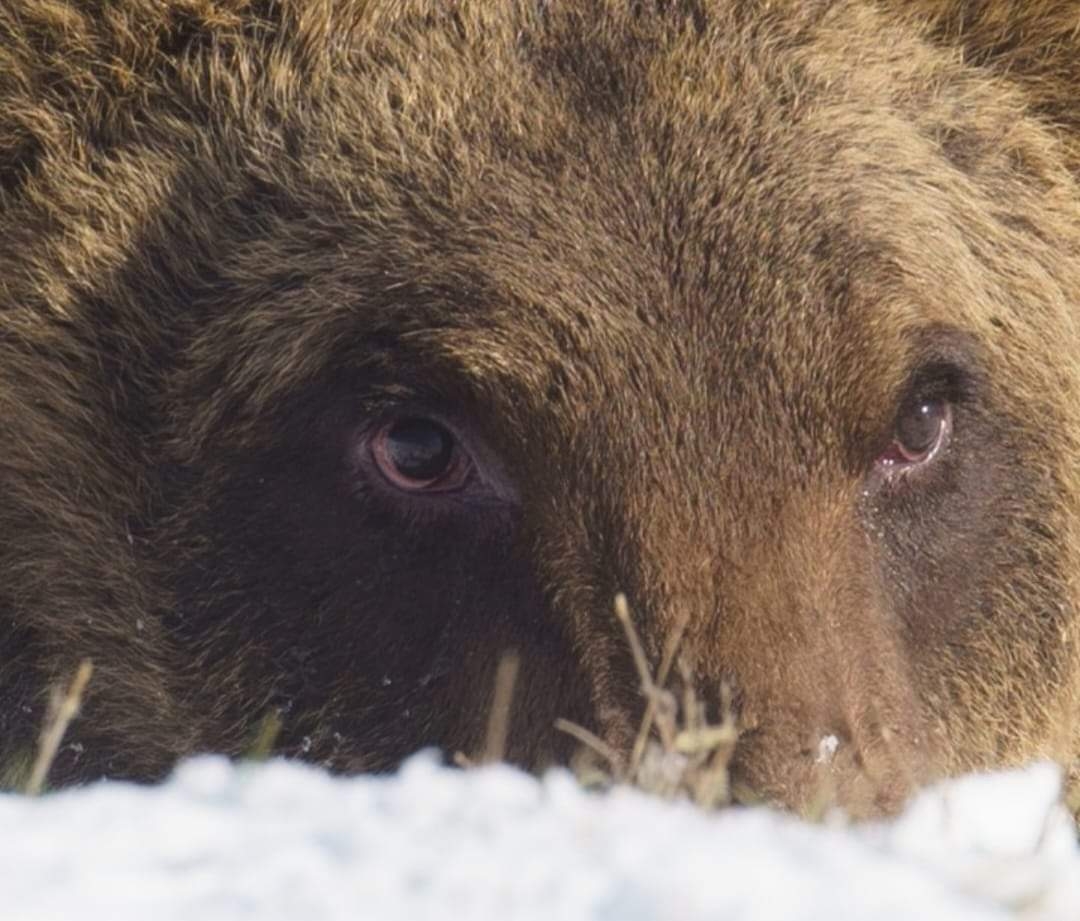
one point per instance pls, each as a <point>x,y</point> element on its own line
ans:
<point>672,273</point>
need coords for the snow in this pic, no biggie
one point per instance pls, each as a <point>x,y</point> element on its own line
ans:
<point>283,840</point>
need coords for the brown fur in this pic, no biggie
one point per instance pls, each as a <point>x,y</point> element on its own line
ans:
<point>671,272</point>
<point>1034,45</point>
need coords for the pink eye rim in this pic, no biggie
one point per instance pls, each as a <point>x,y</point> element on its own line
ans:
<point>904,456</point>
<point>451,470</point>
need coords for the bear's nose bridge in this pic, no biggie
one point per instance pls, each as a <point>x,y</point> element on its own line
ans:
<point>670,554</point>
<point>722,571</point>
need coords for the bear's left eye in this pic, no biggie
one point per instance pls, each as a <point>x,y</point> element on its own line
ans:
<point>417,454</point>
<point>922,429</point>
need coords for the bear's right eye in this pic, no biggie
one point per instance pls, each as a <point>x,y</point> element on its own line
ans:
<point>417,454</point>
<point>922,430</point>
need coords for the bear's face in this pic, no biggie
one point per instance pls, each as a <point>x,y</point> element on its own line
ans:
<point>759,322</point>
<point>753,353</point>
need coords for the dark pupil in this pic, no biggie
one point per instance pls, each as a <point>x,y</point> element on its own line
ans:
<point>919,426</point>
<point>420,449</point>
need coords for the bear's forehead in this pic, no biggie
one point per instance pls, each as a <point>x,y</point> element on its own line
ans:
<point>539,245</point>
<point>587,312</point>
<point>722,231</point>
<point>615,280</point>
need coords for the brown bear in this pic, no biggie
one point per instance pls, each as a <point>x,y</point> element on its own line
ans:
<point>346,346</point>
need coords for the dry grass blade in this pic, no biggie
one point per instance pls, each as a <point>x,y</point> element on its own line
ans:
<point>593,742</point>
<point>497,730</point>
<point>645,728</point>
<point>1072,792</point>
<point>62,711</point>
<point>498,724</point>
<point>266,735</point>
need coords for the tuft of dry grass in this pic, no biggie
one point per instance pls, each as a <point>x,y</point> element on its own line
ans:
<point>677,751</point>
<point>63,708</point>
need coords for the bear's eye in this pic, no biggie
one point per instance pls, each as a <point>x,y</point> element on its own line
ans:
<point>922,429</point>
<point>419,455</point>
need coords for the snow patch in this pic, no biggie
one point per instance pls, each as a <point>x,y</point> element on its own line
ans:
<point>827,748</point>
<point>220,842</point>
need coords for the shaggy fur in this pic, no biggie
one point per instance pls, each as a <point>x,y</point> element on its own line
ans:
<point>671,272</point>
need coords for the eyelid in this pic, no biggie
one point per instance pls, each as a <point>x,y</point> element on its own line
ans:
<point>943,363</point>
<point>939,380</point>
